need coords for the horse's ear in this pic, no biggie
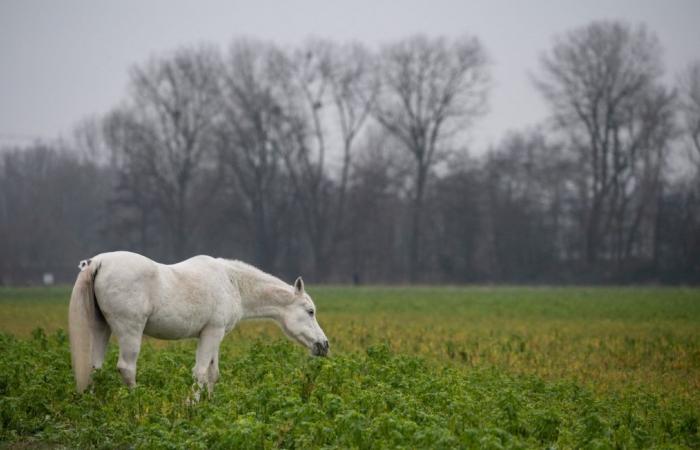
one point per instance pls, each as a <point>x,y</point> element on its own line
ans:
<point>299,286</point>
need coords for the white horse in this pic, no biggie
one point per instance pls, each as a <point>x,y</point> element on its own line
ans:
<point>130,295</point>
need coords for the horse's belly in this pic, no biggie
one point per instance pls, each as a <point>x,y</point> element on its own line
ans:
<point>173,325</point>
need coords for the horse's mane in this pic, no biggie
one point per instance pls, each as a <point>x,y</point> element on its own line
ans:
<point>249,277</point>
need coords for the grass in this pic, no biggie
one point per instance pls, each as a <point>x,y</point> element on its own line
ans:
<point>471,367</point>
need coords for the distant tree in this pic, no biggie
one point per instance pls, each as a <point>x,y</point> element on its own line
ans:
<point>528,189</point>
<point>331,90</point>
<point>432,89</point>
<point>136,194</point>
<point>603,84</point>
<point>690,105</point>
<point>88,141</point>
<point>457,231</point>
<point>354,87</point>
<point>51,211</point>
<point>375,210</point>
<point>162,139</point>
<point>252,135</point>
<point>677,255</point>
<point>679,211</point>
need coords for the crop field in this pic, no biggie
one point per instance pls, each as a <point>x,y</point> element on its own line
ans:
<point>411,367</point>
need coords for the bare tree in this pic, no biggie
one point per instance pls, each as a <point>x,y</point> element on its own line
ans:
<point>457,233</point>
<point>528,192</point>
<point>88,140</point>
<point>354,88</point>
<point>431,90</point>
<point>603,84</point>
<point>332,89</point>
<point>371,249</point>
<point>684,222</point>
<point>136,192</point>
<point>162,137</point>
<point>252,134</point>
<point>51,208</point>
<point>690,105</point>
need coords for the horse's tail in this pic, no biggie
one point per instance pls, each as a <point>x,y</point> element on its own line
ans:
<point>82,319</point>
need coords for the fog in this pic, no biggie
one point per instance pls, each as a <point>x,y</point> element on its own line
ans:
<point>441,143</point>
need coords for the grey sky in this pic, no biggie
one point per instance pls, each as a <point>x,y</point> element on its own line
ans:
<point>62,61</point>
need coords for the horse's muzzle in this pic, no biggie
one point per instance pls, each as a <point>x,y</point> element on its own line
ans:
<point>320,348</point>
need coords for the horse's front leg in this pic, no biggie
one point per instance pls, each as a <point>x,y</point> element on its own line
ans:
<point>206,369</point>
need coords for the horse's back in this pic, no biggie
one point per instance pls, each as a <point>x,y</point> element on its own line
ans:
<point>124,269</point>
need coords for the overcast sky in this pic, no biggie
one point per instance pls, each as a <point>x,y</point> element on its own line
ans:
<point>62,61</point>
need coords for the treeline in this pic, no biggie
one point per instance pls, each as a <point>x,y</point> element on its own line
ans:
<point>349,164</point>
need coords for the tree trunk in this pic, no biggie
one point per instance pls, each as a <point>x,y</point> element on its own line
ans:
<point>264,247</point>
<point>143,230</point>
<point>592,233</point>
<point>414,262</point>
<point>180,234</point>
<point>321,263</point>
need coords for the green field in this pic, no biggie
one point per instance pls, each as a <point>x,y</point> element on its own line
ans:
<point>477,367</point>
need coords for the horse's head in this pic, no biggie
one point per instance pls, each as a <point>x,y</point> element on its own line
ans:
<point>299,322</point>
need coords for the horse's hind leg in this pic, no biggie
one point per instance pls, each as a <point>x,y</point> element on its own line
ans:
<point>213,371</point>
<point>100,339</point>
<point>207,356</point>
<point>129,347</point>
<point>126,317</point>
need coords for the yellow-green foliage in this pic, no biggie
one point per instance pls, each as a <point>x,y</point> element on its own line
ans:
<point>471,367</point>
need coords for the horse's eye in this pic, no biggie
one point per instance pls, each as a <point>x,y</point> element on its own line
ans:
<point>311,312</point>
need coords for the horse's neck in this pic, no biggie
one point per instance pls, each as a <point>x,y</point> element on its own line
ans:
<point>262,295</point>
